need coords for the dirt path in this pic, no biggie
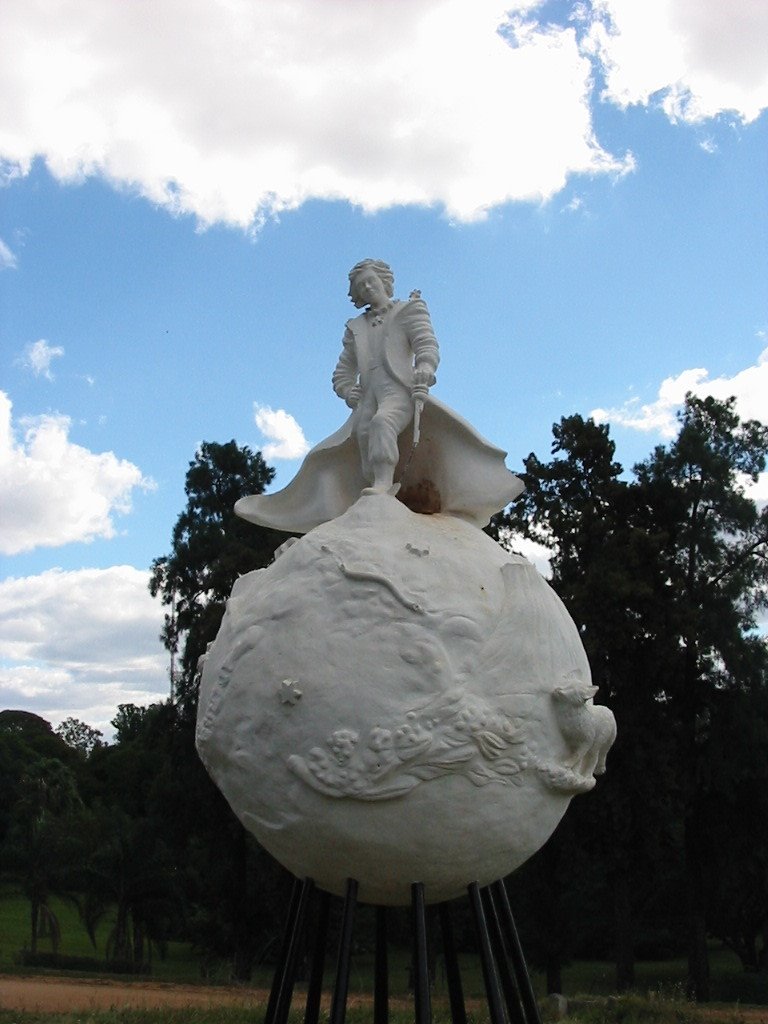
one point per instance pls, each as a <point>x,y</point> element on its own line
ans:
<point>65,994</point>
<point>750,1014</point>
<point>61,995</point>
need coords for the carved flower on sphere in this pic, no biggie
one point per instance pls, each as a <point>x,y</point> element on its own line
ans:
<point>342,743</point>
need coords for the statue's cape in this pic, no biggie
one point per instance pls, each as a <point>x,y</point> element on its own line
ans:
<point>452,470</point>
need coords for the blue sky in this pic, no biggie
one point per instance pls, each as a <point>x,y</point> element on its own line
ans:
<point>579,192</point>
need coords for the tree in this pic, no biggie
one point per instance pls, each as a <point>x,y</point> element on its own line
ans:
<point>664,576</point>
<point>211,547</point>
<point>39,838</point>
<point>36,734</point>
<point>581,507</point>
<point>130,721</point>
<point>735,795</point>
<point>25,739</point>
<point>131,870</point>
<point>713,563</point>
<point>80,736</point>
<point>228,880</point>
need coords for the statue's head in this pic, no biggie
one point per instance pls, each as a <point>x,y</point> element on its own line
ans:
<point>377,267</point>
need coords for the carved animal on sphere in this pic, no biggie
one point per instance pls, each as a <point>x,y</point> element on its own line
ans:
<point>588,729</point>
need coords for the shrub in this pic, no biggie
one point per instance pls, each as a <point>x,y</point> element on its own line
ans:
<point>61,962</point>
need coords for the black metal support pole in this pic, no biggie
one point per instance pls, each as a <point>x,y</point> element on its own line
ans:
<point>315,986</point>
<point>283,1002</point>
<point>506,975</point>
<point>422,1001</point>
<point>381,978</point>
<point>509,991</point>
<point>527,998</point>
<point>341,988</point>
<point>452,973</point>
<point>495,1005</point>
<point>282,955</point>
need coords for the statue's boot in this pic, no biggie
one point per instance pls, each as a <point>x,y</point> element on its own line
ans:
<point>383,474</point>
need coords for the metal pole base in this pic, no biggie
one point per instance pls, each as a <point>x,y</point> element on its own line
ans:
<point>507,982</point>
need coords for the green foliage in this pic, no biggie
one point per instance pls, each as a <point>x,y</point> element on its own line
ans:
<point>40,841</point>
<point>80,964</point>
<point>80,736</point>
<point>713,559</point>
<point>664,575</point>
<point>24,739</point>
<point>581,507</point>
<point>211,547</point>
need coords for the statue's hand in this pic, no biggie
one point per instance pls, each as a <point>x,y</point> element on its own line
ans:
<point>352,397</point>
<point>423,379</point>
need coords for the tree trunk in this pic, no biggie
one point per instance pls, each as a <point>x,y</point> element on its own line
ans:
<point>34,913</point>
<point>554,975</point>
<point>698,955</point>
<point>242,919</point>
<point>121,948</point>
<point>138,941</point>
<point>697,985</point>
<point>624,934</point>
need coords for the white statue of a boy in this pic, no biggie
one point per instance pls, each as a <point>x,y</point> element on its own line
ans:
<point>387,365</point>
<point>384,373</point>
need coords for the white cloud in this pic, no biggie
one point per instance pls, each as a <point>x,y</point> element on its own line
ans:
<point>38,356</point>
<point>758,491</point>
<point>749,386</point>
<point>234,111</point>
<point>9,172</point>
<point>80,643</point>
<point>286,438</point>
<point>7,258</point>
<point>52,491</point>
<point>576,204</point>
<point>697,58</point>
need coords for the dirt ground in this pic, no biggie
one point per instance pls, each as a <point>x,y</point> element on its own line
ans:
<point>64,994</point>
<point>57,995</point>
<point>61,995</point>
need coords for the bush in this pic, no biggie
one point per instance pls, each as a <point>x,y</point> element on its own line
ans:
<point>740,987</point>
<point>61,962</point>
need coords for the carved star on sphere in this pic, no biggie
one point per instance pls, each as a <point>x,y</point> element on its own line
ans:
<point>289,692</point>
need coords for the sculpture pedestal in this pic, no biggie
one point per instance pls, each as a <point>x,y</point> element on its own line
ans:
<point>507,982</point>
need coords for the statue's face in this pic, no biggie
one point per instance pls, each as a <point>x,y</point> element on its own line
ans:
<point>369,289</point>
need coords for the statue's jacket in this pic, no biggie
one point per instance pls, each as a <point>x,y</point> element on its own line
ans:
<point>408,338</point>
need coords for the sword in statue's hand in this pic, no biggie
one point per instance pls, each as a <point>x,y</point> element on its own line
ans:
<point>423,379</point>
<point>419,391</point>
<point>418,405</point>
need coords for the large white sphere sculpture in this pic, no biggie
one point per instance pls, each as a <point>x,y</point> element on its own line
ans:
<point>397,699</point>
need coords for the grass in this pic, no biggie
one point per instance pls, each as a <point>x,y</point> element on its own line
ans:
<point>180,963</point>
<point>155,1016</point>
<point>662,980</point>
<point>627,1010</point>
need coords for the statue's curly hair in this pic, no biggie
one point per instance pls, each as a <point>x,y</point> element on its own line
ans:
<point>382,270</point>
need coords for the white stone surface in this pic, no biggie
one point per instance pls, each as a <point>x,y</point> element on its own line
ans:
<point>398,437</point>
<point>397,699</point>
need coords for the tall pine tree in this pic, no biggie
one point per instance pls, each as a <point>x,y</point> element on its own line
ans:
<point>211,547</point>
<point>713,565</point>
